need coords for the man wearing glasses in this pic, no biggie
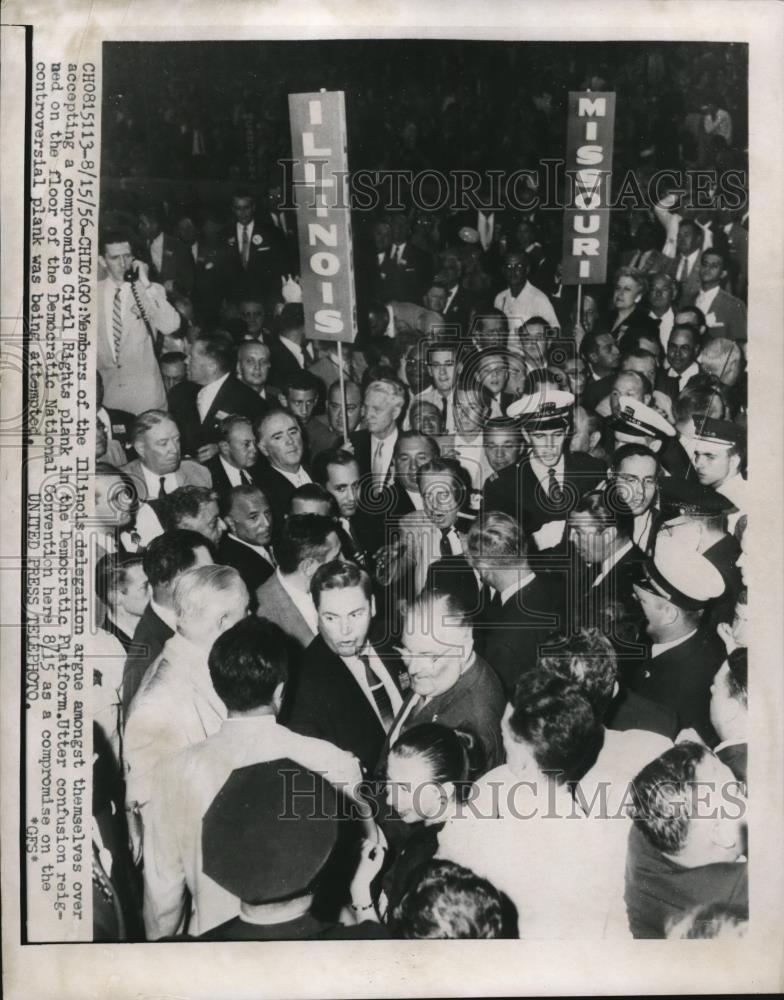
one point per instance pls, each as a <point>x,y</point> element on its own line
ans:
<point>450,683</point>
<point>635,475</point>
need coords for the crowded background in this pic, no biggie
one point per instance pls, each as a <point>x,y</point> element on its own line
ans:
<point>371,627</point>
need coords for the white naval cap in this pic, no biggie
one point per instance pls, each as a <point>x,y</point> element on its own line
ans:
<point>687,579</point>
<point>635,420</point>
<point>544,408</point>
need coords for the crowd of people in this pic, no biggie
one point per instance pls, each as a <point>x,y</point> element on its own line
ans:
<point>441,635</point>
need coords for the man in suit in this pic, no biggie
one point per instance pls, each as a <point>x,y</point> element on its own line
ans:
<point>346,691</point>
<point>729,710</point>
<point>280,470</point>
<point>402,496</point>
<point>540,490</point>
<point>442,367</point>
<point>325,430</point>
<point>457,308</point>
<point>299,394</point>
<point>237,460</point>
<point>602,356</point>
<point>171,265</point>
<point>681,856</point>
<point>211,394</point>
<point>675,589</point>
<point>253,368</point>
<point>409,269</point>
<point>725,316</point>
<point>158,471</point>
<point>205,250</point>
<point>662,290</point>
<point>165,559</point>
<point>450,683</point>
<point>529,608</point>
<point>717,450</point>
<point>634,479</point>
<point>303,543</point>
<point>121,586</point>
<point>176,704</point>
<point>130,315</point>
<point>248,667</point>
<point>437,531</point>
<point>290,352</point>
<point>360,533</point>
<point>253,256</point>
<point>245,546</point>
<point>681,365</point>
<point>195,508</point>
<point>685,266</point>
<point>600,529</point>
<point>374,447</point>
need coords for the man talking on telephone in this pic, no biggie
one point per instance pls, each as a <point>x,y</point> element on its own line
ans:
<point>131,311</point>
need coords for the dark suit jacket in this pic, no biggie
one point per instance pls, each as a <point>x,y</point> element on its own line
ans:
<point>680,678</point>
<point>176,265</point>
<point>233,397</point>
<point>515,632</point>
<point>220,481</point>
<point>361,444</point>
<point>276,488</point>
<point>458,312</point>
<point>728,317</point>
<point>403,281</point>
<point>690,285</point>
<point>266,263</point>
<point>252,567</point>
<point>517,492</point>
<point>149,637</point>
<point>121,422</point>
<point>329,704</point>
<point>274,603</point>
<point>475,702</point>
<point>616,585</point>
<point>631,711</point>
<point>595,391</point>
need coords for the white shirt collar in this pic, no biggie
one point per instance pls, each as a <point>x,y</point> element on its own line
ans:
<point>260,549</point>
<point>298,478</point>
<point>705,299</point>
<point>233,474</point>
<point>294,349</point>
<point>302,601</point>
<point>153,482</point>
<point>513,588</point>
<point>542,472</point>
<point>166,615</point>
<point>416,500</point>
<point>683,378</point>
<point>240,227</point>
<point>660,647</point>
<point>206,395</point>
<point>611,560</point>
<point>728,743</point>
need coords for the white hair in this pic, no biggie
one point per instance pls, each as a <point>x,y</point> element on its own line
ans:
<point>196,590</point>
<point>392,390</point>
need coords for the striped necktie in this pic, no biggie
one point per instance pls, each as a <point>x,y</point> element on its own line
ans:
<point>117,323</point>
<point>380,694</point>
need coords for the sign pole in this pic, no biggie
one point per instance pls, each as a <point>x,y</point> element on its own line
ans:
<point>579,305</point>
<point>343,400</point>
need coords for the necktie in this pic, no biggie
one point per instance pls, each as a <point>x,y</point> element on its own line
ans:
<point>444,409</point>
<point>682,272</point>
<point>554,491</point>
<point>161,489</point>
<point>379,693</point>
<point>377,470</point>
<point>117,323</point>
<point>446,548</point>
<point>637,259</point>
<point>245,246</point>
<point>245,477</point>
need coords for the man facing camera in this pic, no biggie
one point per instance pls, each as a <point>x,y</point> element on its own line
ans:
<point>347,689</point>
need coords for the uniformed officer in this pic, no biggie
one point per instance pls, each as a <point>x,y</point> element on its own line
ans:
<point>676,588</point>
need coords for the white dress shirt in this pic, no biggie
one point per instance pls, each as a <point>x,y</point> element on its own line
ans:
<point>704,300</point>
<point>527,303</point>
<point>611,560</point>
<point>357,669</point>
<point>258,549</point>
<point>416,500</point>
<point>233,474</point>
<point>239,229</point>
<point>303,602</point>
<point>665,325</point>
<point>683,378</point>
<point>381,451</point>
<point>686,265</point>
<point>153,482</point>
<point>295,350</point>
<point>206,396</point>
<point>298,478</point>
<point>542,472</point>
<point>108,306</point>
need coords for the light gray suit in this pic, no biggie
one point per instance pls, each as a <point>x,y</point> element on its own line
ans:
<point>275,604</point>
<point>189,474</point>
